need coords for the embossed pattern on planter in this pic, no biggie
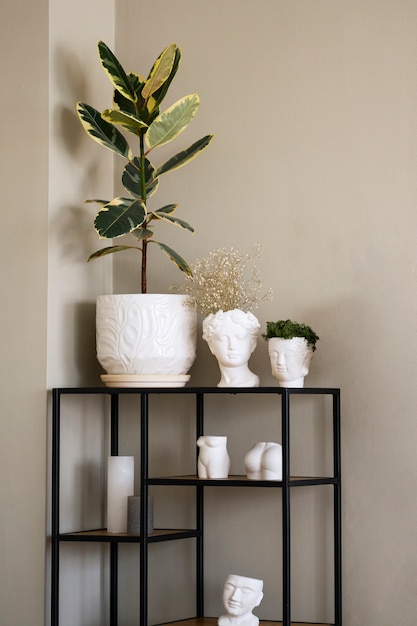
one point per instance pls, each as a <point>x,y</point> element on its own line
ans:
<point>145,334</point>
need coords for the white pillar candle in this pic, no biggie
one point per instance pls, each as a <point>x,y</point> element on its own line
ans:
<point>120,485</point>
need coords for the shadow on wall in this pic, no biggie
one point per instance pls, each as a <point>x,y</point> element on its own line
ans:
<point>89,369</point>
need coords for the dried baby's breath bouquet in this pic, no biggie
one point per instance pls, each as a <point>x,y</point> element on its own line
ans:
<point>225,281</point>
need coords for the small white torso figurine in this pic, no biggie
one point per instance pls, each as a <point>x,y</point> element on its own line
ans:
<point>264,461</point>
<point>213,458</point>
<point>290,360</point>
<point>232,337</point>
<point>240,596</point>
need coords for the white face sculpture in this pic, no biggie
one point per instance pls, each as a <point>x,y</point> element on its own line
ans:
<point>241,594</point>
<point>231,336</point>
<point>290,359</point>
<point>231,344</point>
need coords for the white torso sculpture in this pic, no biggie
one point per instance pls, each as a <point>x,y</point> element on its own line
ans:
<point>290,360</point>
<point>264,461</point>
<point>232,337</point>
<point>213,458</point>
<point>240,596</point>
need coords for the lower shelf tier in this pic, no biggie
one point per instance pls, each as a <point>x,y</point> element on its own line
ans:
<point>101,535</point>
<point>212,621</point>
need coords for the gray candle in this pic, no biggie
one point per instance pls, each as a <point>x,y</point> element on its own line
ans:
<point>133,515</point>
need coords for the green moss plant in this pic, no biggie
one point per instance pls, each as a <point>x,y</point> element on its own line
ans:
<point>287,329</point>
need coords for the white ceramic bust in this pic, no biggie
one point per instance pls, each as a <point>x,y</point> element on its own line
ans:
<point>213,458</point>
<point>240,596</point>
<point>290,360</point>
<point>232,337</point>
<point>264,461</point>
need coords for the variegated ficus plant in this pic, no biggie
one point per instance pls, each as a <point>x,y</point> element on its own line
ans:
<point>136,109</point>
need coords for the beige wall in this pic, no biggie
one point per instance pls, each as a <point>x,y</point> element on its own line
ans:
<point>23,270</point>
<point>313,107</point>
<point>44,183</point>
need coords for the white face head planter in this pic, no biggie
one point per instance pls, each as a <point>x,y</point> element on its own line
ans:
<point>232,337</point>
<point>290,360</point>
<point>240,596</point>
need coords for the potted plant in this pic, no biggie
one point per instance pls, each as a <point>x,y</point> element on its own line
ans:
<point>136,111</point>
<point>290,347</point>
<point>226,291</point>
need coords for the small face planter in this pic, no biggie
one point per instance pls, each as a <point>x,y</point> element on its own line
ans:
<point>232,337</point>
<point>290,360</point>
<point>145,340</point>
<point>290,347</point>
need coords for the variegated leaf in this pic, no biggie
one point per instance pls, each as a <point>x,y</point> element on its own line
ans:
<point>131,178</point>
<point>142,233</point>
<point>115,72</point>
<point>101,131</point>
<point>175,257</point>
<point>172,122</point>
<point>96,201</point>
<point>163,90</point>
<point>168,208</point>
<point>119,217</point>
<point>160,71</point>
<point>131,122</point>
<point>165,214</point>
<point>109,250</point>
<point>184,156</point>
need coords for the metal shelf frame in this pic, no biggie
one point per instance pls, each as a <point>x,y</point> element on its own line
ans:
<point>288,482</point>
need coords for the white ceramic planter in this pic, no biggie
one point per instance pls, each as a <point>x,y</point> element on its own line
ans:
<point>232,337</point>
<point>290,360</point>
<point>241,595</point>
<point>145,339</point>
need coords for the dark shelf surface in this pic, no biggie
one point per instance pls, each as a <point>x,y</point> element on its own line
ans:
<point>194,390</point>
<point>239,481</point>
<point>101,535</point>
<point>212,621</point>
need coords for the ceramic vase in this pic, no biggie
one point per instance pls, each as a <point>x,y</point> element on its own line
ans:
<point>145,339</point>
<point>290,360</point>
<point>232,337</point>
<point>241,595</point>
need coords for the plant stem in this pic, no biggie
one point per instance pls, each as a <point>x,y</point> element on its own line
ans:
<point>143,269</point>
<point>143,194</point>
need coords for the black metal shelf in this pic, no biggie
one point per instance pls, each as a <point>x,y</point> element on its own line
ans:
<point>280,391</point>
<point>284,396</point>
<point>212,621</point>
<point>241,481</point>
<point>101,535</point>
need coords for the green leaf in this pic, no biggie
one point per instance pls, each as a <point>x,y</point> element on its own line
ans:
<point>131,178</point>
<point>96,201</point>
<point>110,250</point>
<point>146,111</point>
<point>131,122</point>
<point>162,91</point>
<point>142,233</point>
<point>165,214</point>
<point>185,156</point>
<point>115,72</point>
<point>101,131</point>
<point>124,104</point>
<point>172,122</point>
<point>175,258</point>
<point>119,217</point>
<point>169,208</point>
<point>160,71</point>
